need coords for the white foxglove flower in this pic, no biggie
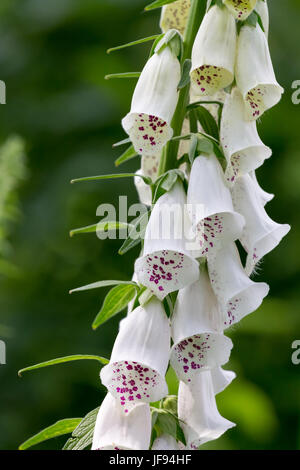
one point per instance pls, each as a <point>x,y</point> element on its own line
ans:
<point>263,11</point>
<point>197,331</point>
<point>263,195</point>
<point>261,234</point>
<point>241,9</point>
<point>116,431</point>
<point>140,356</point>
<point>175,16</point>
<point>243,148</point>
<point>217,223</point>
<point>254,73</point>
<point>143,189</point>
<point>221,379</point>
<point>213,52</point>
<point>238,294</point>
<point>153,104</point>
<point>167,265</point>
<point>165,442</point>
<point>197,408</point>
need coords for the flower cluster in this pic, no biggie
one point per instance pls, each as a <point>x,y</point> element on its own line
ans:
<point>194,285</point>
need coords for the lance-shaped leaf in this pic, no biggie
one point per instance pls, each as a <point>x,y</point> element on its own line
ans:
<point>116,300</point>
<point>60,428</point>
<point>185,74</point>
<point>127,155</point>
<point>61,360</point>
<point>122,75</point>
<point>113,176</point>
<point>158,4</point>
<point>97,285</point>
<point>136,234</point>
<point>82,436</point>
<point>207,122</point>
<point>122,142</point>
<point>100,227</point>
<point>133,43</point>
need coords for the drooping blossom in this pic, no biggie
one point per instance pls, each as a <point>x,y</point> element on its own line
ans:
<point>197,409</point>
<point>140,356</point>
<point>264,196</point>
<point>217,222</point>
<point>166,264</point>
<point>221,378</point>
<point>263,11</point>
<point>148,123</point>
<point>199,343</point>
<point>175,16</point>
<point>254,73</point>
<point>240,9</point>
<point>261,234</point>
<point>213,52</point>
<point>241,143</point>
<point>237,294</point>
<point>116,431</point>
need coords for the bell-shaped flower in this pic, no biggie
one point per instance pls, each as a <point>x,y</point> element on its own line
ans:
<point>217,222</point>
<point>197,331</point>
<point>175,16</point>
<point>237,294</point>
<point>116,431</point>
<point>197,409</point>
<point>263,195</point>
<point>221,379</point>
<point>240,9</point>
<point>165,442</point>
<point>140,356</point>
<point>254,73</point>
<point>167,264</point>
<point>242,146</point>
<point>153,104</point>
<point>263,11</point>
<point>261,234</point>
<point>213,53</point>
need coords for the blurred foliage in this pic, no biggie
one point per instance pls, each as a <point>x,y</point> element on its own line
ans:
<point>53,60</point>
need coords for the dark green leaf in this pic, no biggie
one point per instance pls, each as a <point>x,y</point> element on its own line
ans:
<point>114,176</point>
<point>127,155</point>
<point>136,234</point>
<point>207,122</point>
<point>115,301</point>
<point>185,75</point>
<point>82,436</point>
<point>60,428</point>
<point>193,148</point>
<point>100,227</point>
<point>123,75</point>
<point>133,43</point>
<point>96,285</point>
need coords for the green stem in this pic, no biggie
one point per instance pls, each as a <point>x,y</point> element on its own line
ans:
<point>169,155</point>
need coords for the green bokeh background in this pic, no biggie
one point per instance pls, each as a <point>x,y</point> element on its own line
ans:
<point>53,60</point>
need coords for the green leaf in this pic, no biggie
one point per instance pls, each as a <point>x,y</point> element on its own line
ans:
<point>123,75</point>
<point>114,176</point>
<point>116,300</point>
<point>185,75</point>
<point>193,148</point>
<point>252,19</point>
<point>122,142</point>
<point>167,423</point>
<point>136,234</point>
<point>127,155</point>
<point>205,145</point>
<point>133,43</point>
<point>62,360</point>
<point>207,122</point>
<point>82,436</point>
<point>60,428</point>
<point>96,285</point>
<point>101,227</point>
<point>158,4</point>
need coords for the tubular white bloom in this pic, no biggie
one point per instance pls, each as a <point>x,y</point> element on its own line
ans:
<point>196,331</point>
<point>213,52</point>
<point>143,189</point>
<point>263,10</point>
<point>165,442</point>
<point>139,357</point>
<point>153,104</point>
<point>243,148</point>
<point>254,73</point>
<point>261,234</point>
<point>167,264</point>
<point>197,408</point>
<point>116,431</point>
<point>175,16</point>
<point>218,223</point>
<point>238,294</point>
<point>149,167</point>
<point>221,379</point>
<point>263,195</point>
<point>240,9</point>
